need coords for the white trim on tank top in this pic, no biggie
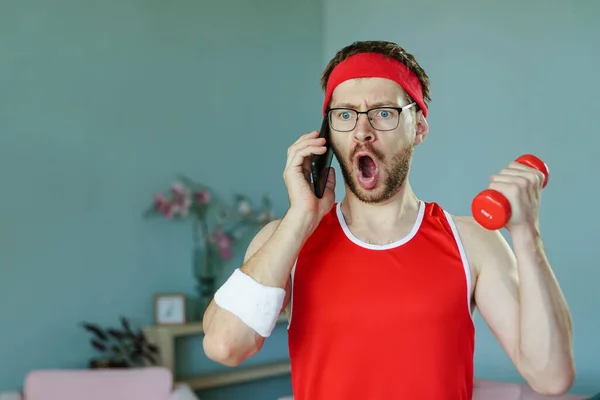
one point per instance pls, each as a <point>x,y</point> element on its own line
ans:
<point>411,234</point>
<point>357,241</point>
<point>369,246</point>
<point>292,294</point>
<point>464,259</point>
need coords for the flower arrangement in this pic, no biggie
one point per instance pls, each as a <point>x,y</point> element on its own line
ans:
<point>216,225</point>
<point>120,348</point>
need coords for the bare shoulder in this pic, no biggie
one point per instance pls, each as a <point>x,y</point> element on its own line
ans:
<point>261,238</point>
<point>471,231</point>
<point>483,247</point>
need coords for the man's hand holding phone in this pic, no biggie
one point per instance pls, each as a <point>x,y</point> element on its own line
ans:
<point>305,207</point>
<point>229,323</point>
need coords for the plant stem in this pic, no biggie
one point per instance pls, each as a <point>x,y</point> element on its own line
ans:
<point>206,234</point>
<point>195,232</point>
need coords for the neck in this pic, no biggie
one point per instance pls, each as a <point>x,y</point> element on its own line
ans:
<point>402,207</point>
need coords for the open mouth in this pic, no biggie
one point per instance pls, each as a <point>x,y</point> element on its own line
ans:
<point>366,169</point>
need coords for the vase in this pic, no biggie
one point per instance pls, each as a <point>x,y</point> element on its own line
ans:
<point>207,263</point>
<point>205,279</point>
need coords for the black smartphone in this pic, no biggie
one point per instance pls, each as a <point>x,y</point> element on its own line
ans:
<point>321,163</point>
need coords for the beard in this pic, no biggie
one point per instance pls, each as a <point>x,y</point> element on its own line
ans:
<point>395,170</point>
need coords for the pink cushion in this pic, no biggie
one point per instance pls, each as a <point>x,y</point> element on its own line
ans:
<point>492,390</point>
<point>102,384</point>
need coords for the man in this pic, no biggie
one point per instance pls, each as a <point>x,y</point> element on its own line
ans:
<point>380,288</point>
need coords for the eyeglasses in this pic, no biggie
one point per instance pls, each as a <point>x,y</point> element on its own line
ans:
<point>380,118</point>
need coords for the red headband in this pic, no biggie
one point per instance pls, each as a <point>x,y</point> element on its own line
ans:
<point>368,65</point>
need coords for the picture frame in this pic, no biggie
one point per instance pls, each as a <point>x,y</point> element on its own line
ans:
<point>170,309</point>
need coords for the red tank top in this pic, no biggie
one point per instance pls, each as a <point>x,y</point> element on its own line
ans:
<point>374,322</point>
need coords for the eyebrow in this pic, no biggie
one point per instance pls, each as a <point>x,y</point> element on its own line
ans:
<point>373,105</point>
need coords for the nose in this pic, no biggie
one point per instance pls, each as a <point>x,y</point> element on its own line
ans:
<point>363,132</point>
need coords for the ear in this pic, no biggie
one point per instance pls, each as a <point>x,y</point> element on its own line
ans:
<point>422,128</point>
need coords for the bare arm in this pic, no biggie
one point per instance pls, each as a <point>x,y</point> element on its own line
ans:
<point>269,260</point>
<point>519,298</point>
<point>271,255</point>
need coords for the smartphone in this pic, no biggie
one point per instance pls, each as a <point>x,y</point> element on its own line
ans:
<point>321,163</point>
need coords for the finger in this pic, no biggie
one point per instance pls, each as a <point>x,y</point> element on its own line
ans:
<point>303,141</point>
<point>306,166</point>
<point>509,189</point>
<point>306,151</point>
<point>514,180</point>
<point>521,166</point>
<point>307,171</point>
<point>533,171</point>
<point>329,195</point>
<point>297,159</point>
<point>518,176</point>
<point>300,160</point>
<point>308,142</point>
<point>330,185</point>
<point>309,135</point>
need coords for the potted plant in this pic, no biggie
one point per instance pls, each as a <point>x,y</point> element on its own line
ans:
<point>216,226</point>
<point>120,348</point>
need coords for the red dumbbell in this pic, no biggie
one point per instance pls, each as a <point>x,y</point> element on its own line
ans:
<point>491,209</point>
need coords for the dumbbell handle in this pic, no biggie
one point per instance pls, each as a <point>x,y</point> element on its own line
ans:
<point>491,209</point>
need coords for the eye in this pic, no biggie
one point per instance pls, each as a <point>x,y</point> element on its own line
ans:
<point>343,115</point>
<point>385,113</point>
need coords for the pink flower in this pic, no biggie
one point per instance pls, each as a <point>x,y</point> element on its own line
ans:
<point>202,197</point>
<point>185,203</point>
<point>181,205</point>
<point>161,204</point>
<point>223,243</point>
<point>168,210</point>
<point>178,189</point>
<point>178,209</point>
<point>159,198</point>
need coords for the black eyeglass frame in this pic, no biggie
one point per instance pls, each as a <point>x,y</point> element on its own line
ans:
<point>358,113</point>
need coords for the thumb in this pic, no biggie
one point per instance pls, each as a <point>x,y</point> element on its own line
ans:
<point>330,185</point>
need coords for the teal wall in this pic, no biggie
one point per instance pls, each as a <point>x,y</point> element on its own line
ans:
<point>102,104</point>
<point>508,78</point>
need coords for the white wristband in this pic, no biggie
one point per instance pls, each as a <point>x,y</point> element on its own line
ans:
<point>257,305</point>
